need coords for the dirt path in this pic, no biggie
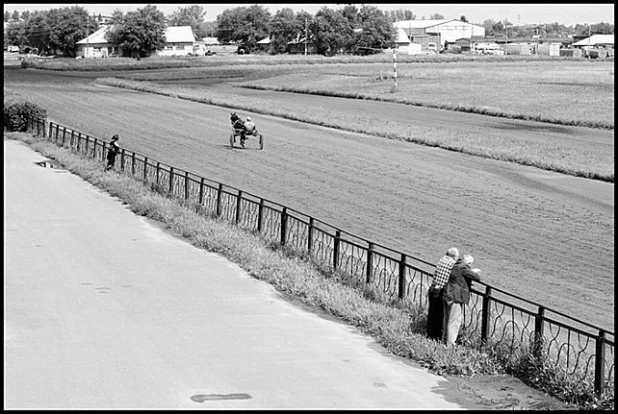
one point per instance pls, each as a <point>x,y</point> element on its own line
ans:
<point>544,236</point>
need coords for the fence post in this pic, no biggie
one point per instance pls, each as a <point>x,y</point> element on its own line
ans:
<point>79,141</point>
<point>186,185</point>
<point>51,127</point>
<point>369,263</point>
<point>132,164</point>
<point>260,215</point>
<point>238,199</point>
<point>94,150</point>
<point>72,139</point>
<point>485,314</point>
<point>310,236</point>
<point>402,276</point>
<point>599,363</point>
<point>219,193</point>
<point>87,142</point>
<point>158,169</point>
<point>171,189</point>
<point>122,160</point>
<point>201,197</point>
<point>284,224</point>
<point>64,135</point>
<point>146,169</point>
<point>57,132</point>
<point>538,332</point>
<point>336,249</point>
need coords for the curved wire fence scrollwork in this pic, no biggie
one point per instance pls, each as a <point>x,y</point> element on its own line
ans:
<point>495,318</point>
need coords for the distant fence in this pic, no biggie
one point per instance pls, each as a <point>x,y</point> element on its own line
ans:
<point>493,318</point>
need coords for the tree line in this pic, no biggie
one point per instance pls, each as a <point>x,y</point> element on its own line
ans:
<point>329,31</point>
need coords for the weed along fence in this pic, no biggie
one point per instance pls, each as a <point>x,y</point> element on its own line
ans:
<point>495,319</point>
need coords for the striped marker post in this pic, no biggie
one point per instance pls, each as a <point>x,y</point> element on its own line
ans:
<point>395,65</point>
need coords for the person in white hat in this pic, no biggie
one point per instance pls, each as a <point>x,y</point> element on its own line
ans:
<point>456,294</point>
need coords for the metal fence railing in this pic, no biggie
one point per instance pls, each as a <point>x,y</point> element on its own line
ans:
<point>493,318</point>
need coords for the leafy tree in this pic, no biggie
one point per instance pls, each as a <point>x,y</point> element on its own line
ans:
<point>350,12</point>
<point>68,26</point>
<point>283,28</point>
<point>189,16</point>
<point>15,34</point>
<point>208,29</point>
<point>602,28</point>
<point>25,15</point>
<point>401,15</point>
<point>378,31</point>
<point>246,25</point>
<point>139,33</point>
<point>488,24</point>
<point>38,31</point>
<point>463,19</point>
<point>15,16</point>
<point>330,31</point>
<point>436,16</point>
<point>7,16</point>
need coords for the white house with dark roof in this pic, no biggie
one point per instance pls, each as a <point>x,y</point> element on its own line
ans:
<point>179,41</point>
<point>97,46</point>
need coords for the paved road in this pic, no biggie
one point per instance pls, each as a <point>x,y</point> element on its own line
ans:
<point>105,310</point>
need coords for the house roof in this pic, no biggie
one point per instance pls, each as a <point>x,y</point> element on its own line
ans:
<point>179,34</point>
<point>596,40</point>
<point>173,34</point>
<point>424,24</point>
<point>96,37</point>
<point>421,24</point>
<point>402,37</point>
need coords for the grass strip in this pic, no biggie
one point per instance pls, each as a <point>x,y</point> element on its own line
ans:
<point>400,328</point>
<point>450,107</point>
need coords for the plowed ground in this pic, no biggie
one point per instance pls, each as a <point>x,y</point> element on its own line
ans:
<point>544,236</point>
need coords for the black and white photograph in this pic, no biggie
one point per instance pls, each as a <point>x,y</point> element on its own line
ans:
<point>339,206</point>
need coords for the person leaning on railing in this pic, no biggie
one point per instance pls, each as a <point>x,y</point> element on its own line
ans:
<point>456,294</point>
<point>113,150</point>
<point>435,314</point>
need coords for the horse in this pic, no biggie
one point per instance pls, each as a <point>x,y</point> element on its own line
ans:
<point>238,125</point>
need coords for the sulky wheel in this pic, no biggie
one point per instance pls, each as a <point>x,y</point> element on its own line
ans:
<point>232,140</point>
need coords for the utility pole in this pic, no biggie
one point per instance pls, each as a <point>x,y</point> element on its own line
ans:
<point>589,35</point>
<point>506,40</point>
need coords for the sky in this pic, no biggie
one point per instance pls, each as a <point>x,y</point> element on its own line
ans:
<point>567,14</point>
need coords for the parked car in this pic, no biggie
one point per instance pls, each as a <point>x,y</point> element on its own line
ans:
<point>13,49</point>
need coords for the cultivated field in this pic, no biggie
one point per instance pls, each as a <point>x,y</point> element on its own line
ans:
<point>545,236</point>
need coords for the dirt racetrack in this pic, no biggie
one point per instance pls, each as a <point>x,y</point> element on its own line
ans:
<point>545,236</point>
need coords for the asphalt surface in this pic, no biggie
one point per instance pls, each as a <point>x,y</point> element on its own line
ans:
<point>105,310</point>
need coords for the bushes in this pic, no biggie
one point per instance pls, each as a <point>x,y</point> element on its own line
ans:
<point>17,111</point>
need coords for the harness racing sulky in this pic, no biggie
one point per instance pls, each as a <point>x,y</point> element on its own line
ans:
<point>244,130</point>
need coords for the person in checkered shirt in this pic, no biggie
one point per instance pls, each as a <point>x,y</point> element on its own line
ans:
<point>435,314</point>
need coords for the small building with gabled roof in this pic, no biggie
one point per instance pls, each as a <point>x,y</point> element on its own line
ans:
<point>439,31</point>
<point>179,41</point>
<point>97,46</point>
<point>596,40</point>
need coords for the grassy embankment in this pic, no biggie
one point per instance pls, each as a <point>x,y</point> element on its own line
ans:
<point>400,328</point>
<point>579,158</point>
